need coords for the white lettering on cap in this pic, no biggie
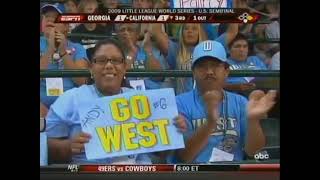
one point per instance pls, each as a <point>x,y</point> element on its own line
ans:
<point>207,46</point>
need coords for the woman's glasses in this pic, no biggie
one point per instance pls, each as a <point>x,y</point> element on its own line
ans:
<point>104,60</point>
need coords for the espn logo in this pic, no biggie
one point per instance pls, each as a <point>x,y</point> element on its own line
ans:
<point>69,18</point>
<point>262,156</point>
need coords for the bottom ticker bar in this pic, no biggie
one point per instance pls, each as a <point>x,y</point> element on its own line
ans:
<point>73,168</point>
<point>125,168</point>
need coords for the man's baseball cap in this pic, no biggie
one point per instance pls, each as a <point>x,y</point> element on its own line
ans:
<point>209,48</point>
<point>56,7</point>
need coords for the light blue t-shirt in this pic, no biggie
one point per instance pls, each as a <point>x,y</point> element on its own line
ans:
<point>140,62</point>
<point>233,108</point>
<point>275,62</point>
<point>63,121</point>
<point>252,63</point>
<point>78,53</point>
<point>43,149</point>
<point>185,84</point>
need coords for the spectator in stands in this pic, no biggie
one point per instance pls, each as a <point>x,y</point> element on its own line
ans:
<point>265,50</point>
<point>275,61</point>
<point>170,27</point>
<point>71,6</point>
<point>272,30</point>
<point>60,6</point>
<point>43,110</point>
<point>211,29</point>
<point>143,4</point>
<point>89,6</point>
<point>57,52</point>
<point>273,9</point>
<point>239,60</point>
<point>221,126</point>
<point>141,55</point>
<point>244,28</point>
<point>65,139</point>
<point>269,10</point>
<point>110,4</point>
<point>260,48</point>
<point>178,54</point>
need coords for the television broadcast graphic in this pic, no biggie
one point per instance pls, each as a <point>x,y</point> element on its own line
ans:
<point>204,15</point>
<point>160,87</point>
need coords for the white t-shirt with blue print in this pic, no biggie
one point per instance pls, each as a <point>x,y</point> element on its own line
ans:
<point>252,63</point>
<point>63,121</point>
<point>192,107</point>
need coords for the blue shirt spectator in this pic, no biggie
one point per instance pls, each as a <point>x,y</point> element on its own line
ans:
<point>252,63</point>
<point>275,61</point>
<point>239,60</point>
<point>141,55</point>
<point>77,53</point>
<point>57,52</point>
<point>217,122</point>
<point>142,58</point>
<point>43,149</point>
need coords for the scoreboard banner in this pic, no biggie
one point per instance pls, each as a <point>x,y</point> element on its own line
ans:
<point>181,15</point>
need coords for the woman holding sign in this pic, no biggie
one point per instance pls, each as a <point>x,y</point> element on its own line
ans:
<point>65,137</point>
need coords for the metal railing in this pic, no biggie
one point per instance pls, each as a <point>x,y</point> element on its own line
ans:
<point>99,37</point>
<point>162,73</point>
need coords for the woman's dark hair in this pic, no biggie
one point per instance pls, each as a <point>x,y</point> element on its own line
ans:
<point>108,41</point>
<point>238,37</point>
<point>241,36</point>
<point>105,42</point>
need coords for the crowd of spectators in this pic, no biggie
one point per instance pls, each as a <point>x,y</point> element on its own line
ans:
<point>153,46</point>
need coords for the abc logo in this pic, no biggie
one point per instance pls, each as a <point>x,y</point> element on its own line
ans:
<point>261,156</point>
